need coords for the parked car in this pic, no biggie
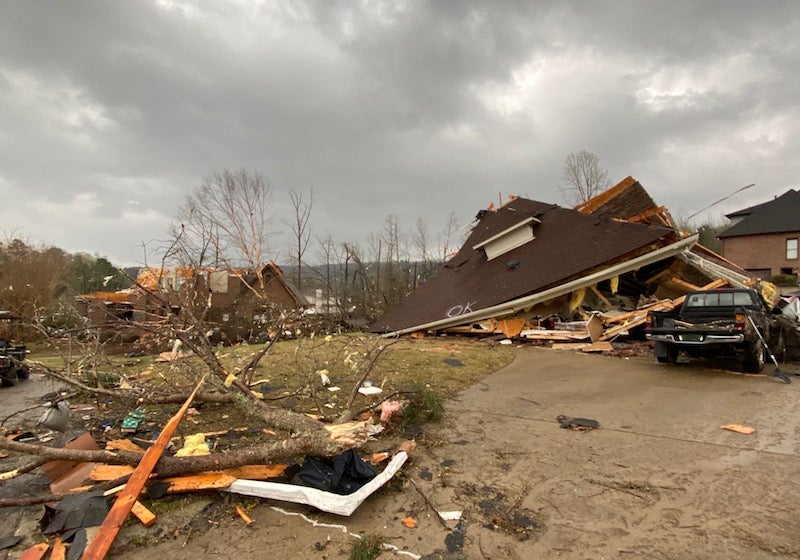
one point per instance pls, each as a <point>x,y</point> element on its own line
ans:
<point>12,354</point>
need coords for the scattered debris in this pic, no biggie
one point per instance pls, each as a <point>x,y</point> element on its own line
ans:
<point>739,428</point>
<point>578,424</point>
<point>132,421</point>
<point>409,522</point>
<point>390,407</point>
<point>243,514</point>
<point>194,445</point>
<point>367,388</point>
<point>329,502</point>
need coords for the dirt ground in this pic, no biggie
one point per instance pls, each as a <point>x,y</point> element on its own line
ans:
<point>658,479</point>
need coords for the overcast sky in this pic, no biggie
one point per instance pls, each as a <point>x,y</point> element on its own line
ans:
<point>112,112</point>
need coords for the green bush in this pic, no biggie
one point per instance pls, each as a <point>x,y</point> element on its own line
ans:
<point>784,280</point>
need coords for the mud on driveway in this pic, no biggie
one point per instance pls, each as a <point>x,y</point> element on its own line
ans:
<point>659,479</point>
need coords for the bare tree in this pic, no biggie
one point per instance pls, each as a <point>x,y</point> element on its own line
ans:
<point>584,177</point>
<point>449,235</point>
<point>229,215</point>
<point>299,226</point>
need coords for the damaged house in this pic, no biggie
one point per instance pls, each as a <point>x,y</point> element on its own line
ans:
<point>241,303</point>
<point>539,270</point>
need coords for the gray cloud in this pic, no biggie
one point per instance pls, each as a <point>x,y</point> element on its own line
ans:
<point>114,112</point>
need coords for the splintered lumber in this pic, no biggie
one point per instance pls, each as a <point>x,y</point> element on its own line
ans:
<point>144,515</point>
<point>684,284</point>
<point>600,296</point>
<point>240,511</point>
<point>600,346</point>
<point>123,445</point>
<point>568,345</point>
<point>256,472</point>
<point>101,543</point>
<point>350,433</point>
<point>58,551</point>
<point>544,334</point>
<point>205,481</point>
<point>660,305</point>
<point>619,329</point>
<point>102,473</point>
<point>36,552</point>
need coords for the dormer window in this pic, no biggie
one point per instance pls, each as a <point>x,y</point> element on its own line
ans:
<point>511,238</point>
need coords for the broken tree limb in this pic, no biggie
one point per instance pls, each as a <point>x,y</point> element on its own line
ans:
<point>98,547</point>
<point>8,475</point>
<point>48,498</point>
<point>317,444</point>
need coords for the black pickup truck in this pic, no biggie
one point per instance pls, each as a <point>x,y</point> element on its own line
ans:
<point>718,323</point>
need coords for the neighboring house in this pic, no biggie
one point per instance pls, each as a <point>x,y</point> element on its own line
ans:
<point>763,239</point>
<point>242,303</point>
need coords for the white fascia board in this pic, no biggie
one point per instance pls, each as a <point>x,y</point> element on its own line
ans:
<point>517,305</point>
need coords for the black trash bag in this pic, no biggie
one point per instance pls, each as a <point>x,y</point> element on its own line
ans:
<point>352,471</point>
<point>345,474</point>
<point>315,474</point>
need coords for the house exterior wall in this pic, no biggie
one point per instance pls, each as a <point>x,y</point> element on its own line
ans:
<point>761,252</point>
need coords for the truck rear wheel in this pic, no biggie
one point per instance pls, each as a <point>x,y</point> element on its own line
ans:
<point>10,379</point>
<point>753,360</point>
<point>666,353</point>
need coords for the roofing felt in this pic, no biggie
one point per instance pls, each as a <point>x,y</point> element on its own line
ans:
<point>776,216</point>
<point>567,245</point>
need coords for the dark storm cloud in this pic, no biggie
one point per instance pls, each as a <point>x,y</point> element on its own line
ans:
<point>114,112</point>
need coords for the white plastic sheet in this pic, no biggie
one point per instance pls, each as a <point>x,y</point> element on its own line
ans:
<point>324,501</point>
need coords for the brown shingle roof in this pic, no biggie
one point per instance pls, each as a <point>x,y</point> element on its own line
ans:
<point>567,245</point>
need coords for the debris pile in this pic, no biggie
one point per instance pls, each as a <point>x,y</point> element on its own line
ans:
<point>570,278</point>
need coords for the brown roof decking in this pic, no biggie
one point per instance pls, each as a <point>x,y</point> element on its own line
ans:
<point>567,245</point>
<point>629,201</point>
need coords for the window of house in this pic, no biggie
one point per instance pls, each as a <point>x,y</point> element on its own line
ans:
<point>791,248</point>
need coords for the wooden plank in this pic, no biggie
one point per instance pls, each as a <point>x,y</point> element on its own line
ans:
<point>256,472</point>
<point>36,552</point>
<point>511,327</point>
<point>684,284</point>
<point>594,326</point>
<point>101,543</point>
<point>109,472</point>
<point>612,332</point>
<point>194,483</point>
<point>600,296</point>
<point>718,283</point>
<point>568,345</point>
<point>144,515</point>
<point>103,473</point>
<point>124,445</point>
<point>58,551</point>
<point>660,305</point>
<point>600,346</point>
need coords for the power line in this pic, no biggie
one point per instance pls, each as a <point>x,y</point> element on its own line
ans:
<point>723,199</point>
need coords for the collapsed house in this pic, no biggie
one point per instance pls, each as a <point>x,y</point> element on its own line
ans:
<point>241,304</point>
<point>540,271</point>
